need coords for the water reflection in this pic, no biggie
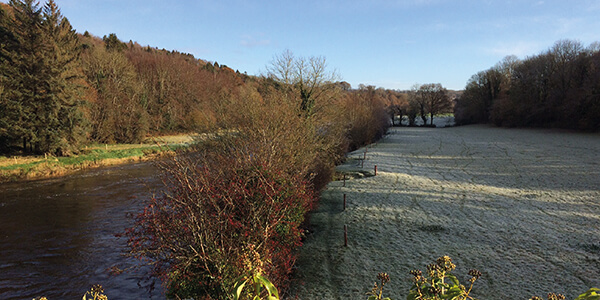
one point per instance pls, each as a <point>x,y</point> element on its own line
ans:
<point>57,236</point>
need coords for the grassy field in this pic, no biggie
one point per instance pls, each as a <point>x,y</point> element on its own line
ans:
<point>522,206</point>
<point>15,168</point>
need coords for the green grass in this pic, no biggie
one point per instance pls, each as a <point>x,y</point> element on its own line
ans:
<point>16,168</point>
<point>95,155</point>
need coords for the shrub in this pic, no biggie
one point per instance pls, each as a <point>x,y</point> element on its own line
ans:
<point>224,214</point>
<point>438,283</point>
<point>95,293</point>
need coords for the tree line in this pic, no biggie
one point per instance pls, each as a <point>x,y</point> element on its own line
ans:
<point>559,88</point>
<point>406,107</point>
<point>60,90</point>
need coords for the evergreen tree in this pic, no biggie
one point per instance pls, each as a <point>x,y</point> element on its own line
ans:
<point>39,68</point>
<point>6,43</point>
<point>64,68</point>
<point>24,89</point>
<point>112,42</point>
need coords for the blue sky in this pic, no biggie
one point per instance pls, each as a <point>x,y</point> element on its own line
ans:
<point>387,43</point>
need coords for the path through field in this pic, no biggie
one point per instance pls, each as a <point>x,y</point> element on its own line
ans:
<point>522,206</point>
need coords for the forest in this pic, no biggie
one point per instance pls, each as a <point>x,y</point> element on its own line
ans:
<point>60,89</point>
<point>558,88</point>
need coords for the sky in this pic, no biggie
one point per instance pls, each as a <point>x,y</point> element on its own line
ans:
<point>386,43</point>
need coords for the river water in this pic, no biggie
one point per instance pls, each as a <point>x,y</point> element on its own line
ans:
<point>57,236</point>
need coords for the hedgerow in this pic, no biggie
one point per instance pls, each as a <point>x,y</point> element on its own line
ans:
<point>235,206</point>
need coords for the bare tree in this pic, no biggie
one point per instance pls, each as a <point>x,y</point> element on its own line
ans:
<point>593,48</point>
<point>507,67</point>
<point>416,105</point>
<point>281,68</point>
<point>435,98</point>
<point>308,76</point>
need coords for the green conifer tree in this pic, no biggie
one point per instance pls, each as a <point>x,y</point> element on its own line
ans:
<point>112,42</point>
<point>39,70</point>
<point>64,68</point>
<point>6,43</point>
<point>24,90</point>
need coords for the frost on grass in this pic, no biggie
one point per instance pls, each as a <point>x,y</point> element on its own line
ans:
<point>522,206</point>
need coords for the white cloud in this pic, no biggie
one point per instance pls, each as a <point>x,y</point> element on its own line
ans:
<point>520,48</point>
<point>567,26</point>
<point>251,41</point>
<point>438,27</point>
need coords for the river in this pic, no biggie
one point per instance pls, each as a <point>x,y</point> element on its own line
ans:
<point>57,236</point>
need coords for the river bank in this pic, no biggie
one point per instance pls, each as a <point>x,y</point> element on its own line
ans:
<point>17,168</point>
<point>520,205</point>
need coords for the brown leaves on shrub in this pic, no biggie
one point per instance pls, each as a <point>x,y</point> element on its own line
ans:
<point>224,213</point>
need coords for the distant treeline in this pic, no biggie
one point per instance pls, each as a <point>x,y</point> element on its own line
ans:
<point>557,88</point>
<point>60,90</point>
